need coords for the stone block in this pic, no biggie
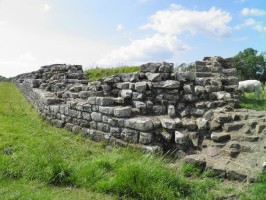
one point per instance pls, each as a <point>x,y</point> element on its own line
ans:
<point>166,67</point>
<point>150,67</point>
<point>106,110</point>
<point>220,136</point>
<point>95,116</point>
<point>126,93</point>
<point>105,101</point>
<point>130,135</point>
<point>154,77</point>
<point>168,123</point>
<point>115,131</point>
<point>122,111</point>
<point>145,138</point>
<point>140,86</point>
<point>139,123</point>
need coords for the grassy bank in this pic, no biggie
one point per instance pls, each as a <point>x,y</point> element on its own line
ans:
<point>38,161</point>
<point>98,73</point>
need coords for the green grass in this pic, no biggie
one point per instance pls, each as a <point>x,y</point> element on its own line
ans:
<point>249,101</point>
<point>38,161</point>
<point>98,73</point>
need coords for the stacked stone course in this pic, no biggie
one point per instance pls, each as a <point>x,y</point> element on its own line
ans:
<point>156,109</point>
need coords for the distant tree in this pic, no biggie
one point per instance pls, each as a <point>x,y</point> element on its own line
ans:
<point>4,79</point>
<point>250,65</point>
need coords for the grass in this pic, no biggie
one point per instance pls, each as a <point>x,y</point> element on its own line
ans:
<point>98,73</point>
<point>38,161</point>
<point>250,102</point>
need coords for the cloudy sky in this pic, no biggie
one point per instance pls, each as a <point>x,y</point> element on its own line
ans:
<point>108,33</point>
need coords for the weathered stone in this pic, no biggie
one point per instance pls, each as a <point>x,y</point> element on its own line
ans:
<point>259,128</point>
<point>167,136</point>
<point>150,67</point>
<point>171,110</point>
<point>220,137</point>
<point>168,84</point>
<point>202,123</point>
<point>126,93</point>
<point>103,127</point>
<point>122,111</point>
<point>235,126</point>
<point>86,116</point>
<point>115,131</point>
<point>139,123</point>
<point>104,101</point>
<point>168,123</point>
<point>166,68</point>
<point>123,86</point>
<point>145,138</point>
<point>140,86</point>
<point>130,135</point>
<point>183,140</point>
<point>106,110</point>
<point>97,117</point>
<point>116,122</point>
<point>154,76</point>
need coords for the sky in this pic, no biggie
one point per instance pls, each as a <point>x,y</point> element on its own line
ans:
<point>109,33</point>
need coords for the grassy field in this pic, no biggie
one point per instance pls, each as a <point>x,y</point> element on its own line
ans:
<point>38,161</point>
<point>98,73</point>
<point>250,102</point>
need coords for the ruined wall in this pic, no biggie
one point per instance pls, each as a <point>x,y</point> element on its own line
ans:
<point>157,109</point>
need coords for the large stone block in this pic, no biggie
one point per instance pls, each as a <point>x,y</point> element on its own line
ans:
<point>105,101</point>
<point>150,67</point>
<point>140,86</point>
<point>145,138</point>
<point>130,135</point>
<point>168,123</point>
<point>95,116</point>
<point>139,123</point>
<point>122,111</point>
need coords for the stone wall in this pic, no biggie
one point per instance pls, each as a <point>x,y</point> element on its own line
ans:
<point>157,110</point>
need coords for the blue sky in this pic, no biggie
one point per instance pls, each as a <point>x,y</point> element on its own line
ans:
<point>109,33</point>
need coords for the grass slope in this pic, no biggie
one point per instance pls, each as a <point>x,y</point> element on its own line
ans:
<point>98,73</point>
<point>38,161</point>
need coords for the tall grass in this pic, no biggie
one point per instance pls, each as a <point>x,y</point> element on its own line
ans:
<point>98,73</point>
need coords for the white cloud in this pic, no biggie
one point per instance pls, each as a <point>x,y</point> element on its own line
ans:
<point>178,19</point>
<point>119,27</point>
<point>46,7</point>
<point>256,25</point>
<point>253,12</point>
<point>27,56</point>
<point>155,48</point>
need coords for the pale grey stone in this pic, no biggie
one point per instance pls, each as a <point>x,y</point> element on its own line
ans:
<point>104,101</point>
<point>168,123</point>
<point>154,76</point>
<point>126,93</point>
<point>140,86</point>
<point>97,117</point>
<point>106,110</point>
<point>139,123</point>
<point>122,111</point>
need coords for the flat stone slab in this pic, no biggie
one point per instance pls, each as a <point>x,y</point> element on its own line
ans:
<point>139,123</point>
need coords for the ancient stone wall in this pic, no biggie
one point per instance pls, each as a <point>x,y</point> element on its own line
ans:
<point>155,109</point>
